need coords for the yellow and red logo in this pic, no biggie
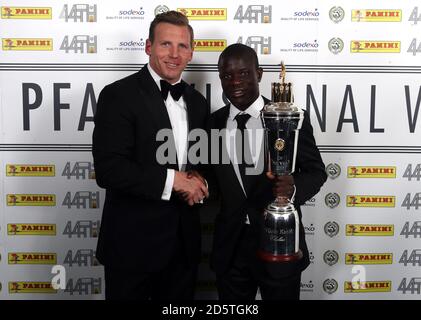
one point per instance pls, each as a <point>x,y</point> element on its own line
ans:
<point>30,170</point>
<point>210,45</point>
<point>372,172</point>
<point>367,286</point>
<point>204,13</point>
<point>373,15</point>
<point>31,287</point>
<point>368,258</point>
<point>27,44</point>
<point>367,46</point>
<point>31,229</point>
<point>32,258</point>
<point>370,201</point>
<point>369,229</point>
<point>26,12</point>
<point>45,200</point>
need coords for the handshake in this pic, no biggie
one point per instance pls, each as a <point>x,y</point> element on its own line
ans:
<point>190,186</point>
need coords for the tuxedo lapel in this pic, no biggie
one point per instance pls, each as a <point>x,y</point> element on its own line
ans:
<point>155,105</point>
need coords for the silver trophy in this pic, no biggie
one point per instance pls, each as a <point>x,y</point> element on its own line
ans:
<point>279,240</point>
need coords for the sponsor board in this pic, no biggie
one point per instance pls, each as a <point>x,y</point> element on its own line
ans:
<point>26,13</point>
<point>31,287</point>
<point>368,258</point>
<point>376,15</point>
<point>30,170</point>
<point>371,46</point>
<point>367,286</point>
<point>370,201</point>
<point>254,14</point>
<point>32,258</point>
<point>209,45</point>
<point>45,200</point>
<point>31,229</point>
<point>369,229</point>
<point>27,44</point>
<point>204,13</point>
<point>371,172</point>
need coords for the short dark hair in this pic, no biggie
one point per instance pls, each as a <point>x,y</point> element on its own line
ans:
<point>172,17</point>
<point>237,50</point>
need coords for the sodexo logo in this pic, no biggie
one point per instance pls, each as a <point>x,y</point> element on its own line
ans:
<point>307,14</point>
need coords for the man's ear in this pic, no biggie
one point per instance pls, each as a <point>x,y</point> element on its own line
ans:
<point>259,73</point>
<point>148,46</point>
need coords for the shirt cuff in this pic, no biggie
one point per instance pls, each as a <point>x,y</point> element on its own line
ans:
<point>169,182</point>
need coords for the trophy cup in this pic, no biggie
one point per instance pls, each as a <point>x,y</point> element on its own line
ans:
<point>279,236</point>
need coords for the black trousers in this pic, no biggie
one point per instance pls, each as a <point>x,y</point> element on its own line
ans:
<point>175,281</point>
<point>246,275</point>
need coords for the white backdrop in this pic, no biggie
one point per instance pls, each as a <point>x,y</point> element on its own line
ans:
<point>355,67</point>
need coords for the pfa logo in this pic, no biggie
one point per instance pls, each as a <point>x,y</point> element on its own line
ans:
<point>82,200</point>
<point>331,257</point>
<point>79,13</point>
<point>332,200</point>
<point>254,14</point>
<point>331,228</point>
<point>82,229</point>
<point>330,286</point>
<point>80,44</point>
<point>336,14</point>
<point>335,45</point>
<point>80,170</point>
<point>260,44</point>
<point>333,170</point>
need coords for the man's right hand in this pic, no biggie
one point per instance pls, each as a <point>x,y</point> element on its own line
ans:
<point>190,187</point>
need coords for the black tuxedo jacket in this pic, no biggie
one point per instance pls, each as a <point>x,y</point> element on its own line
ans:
<point>138,229</point>
<point>309,176</point>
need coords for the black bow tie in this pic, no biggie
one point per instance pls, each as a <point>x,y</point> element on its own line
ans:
<point>175,90</point>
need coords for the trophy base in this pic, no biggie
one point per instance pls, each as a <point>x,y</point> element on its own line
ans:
<point>268,257</point>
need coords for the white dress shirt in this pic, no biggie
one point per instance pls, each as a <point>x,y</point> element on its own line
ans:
<point>254,127</point>
<point>177,112</point>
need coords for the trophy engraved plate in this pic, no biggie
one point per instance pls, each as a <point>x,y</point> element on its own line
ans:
<point>279,236</point>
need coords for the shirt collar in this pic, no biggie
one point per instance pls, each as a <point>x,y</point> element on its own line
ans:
<point>157,78</point>
<point>253,110</point>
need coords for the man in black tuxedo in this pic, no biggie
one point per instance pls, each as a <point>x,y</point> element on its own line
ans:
<point>149,240</point>
<point>239,271</point>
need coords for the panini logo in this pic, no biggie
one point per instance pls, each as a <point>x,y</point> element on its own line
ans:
<point>32,258</point>
<point>367,286</point>
<point>31,229</point>
<point>31,287</point>
<point>376,15</point>
<point>26,13</point>
<point>30,170</point>
<point>369,229</point>
<point>27,44</point>
<point>368,258</point>
<point>371,172</point>
<point>370,201</point>
<point>46,200</point>
<point>204,13</point>
<point>210,45</point>
<point>362,46</point>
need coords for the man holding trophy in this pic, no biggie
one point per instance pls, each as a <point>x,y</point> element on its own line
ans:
<point>275,167</point>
